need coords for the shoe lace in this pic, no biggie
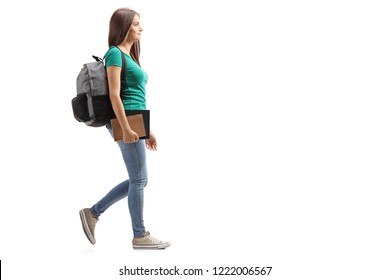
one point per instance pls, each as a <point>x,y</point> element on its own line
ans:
<point>153,240</point>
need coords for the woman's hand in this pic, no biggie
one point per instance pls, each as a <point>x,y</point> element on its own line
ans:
<point>151,143</point>
<point>129,136</point>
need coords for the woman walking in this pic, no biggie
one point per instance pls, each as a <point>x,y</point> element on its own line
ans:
<point>124,37</point>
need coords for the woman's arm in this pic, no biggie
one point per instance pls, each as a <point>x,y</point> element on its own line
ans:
<point>114,86</point>
<point>151,143</point>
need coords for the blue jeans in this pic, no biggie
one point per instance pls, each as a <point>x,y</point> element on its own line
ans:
<point>134,156</point>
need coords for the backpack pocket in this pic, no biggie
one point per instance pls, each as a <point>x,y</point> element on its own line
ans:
<point>102,109</point>
<point>80,108</point>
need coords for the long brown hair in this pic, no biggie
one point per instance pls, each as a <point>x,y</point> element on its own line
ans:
<point>120,23</point>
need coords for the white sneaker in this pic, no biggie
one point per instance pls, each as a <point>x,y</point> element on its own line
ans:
<point>88,222</point>
<point>149,242</point>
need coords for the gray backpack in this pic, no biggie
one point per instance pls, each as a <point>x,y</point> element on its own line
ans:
<point>92,105</point>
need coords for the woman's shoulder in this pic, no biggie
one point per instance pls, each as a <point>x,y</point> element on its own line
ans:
<point>113,57</point>
<point>113,50</point>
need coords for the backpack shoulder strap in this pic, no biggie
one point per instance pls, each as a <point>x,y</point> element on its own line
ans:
<point>123,70</point>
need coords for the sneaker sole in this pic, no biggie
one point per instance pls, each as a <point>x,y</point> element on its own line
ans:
<point>86,229</point>
<point>152,247</point>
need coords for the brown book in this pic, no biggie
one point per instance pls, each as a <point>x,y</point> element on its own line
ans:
<point>136,123</point>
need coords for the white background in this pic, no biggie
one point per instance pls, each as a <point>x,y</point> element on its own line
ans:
<point>272,119</point>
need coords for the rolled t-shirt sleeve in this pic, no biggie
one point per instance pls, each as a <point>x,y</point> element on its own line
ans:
<point>113,57</point>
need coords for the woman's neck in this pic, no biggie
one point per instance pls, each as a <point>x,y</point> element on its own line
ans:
<point>125,47</point>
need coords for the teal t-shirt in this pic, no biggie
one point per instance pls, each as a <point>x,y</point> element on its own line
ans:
<point>134,93</point>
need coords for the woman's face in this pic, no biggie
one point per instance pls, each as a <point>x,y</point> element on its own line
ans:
<point>135,30</point>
